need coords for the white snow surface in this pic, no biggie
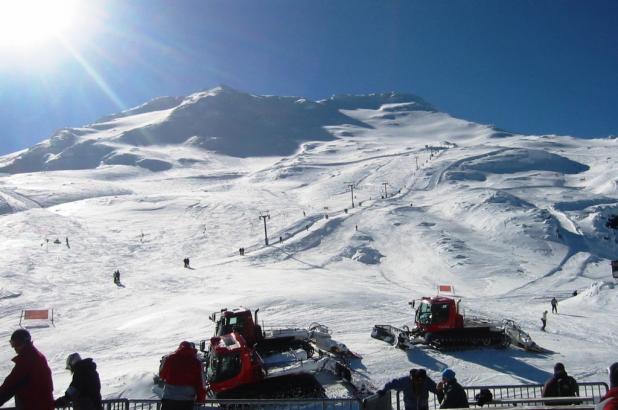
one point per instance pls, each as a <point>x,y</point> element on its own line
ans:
<point>509,220</point>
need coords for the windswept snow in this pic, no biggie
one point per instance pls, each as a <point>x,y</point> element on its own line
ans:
<point>510,222</point>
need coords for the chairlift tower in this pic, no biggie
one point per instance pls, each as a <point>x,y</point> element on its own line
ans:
<point>351,185</point>
<point>264,216</point>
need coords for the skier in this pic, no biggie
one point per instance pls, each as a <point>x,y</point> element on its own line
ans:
<point>182,374</point>
<point>544,320</point>
<point>554,305</point>
<point>281,239</point>
<point>575,292</point>
<point>612,394</point>
<point>415,388</point>
<point>30,381</point>
<point>561,385</point>
<point>67,241</point>
<point>85,388</point>
<point>450,393</point>
<point>117,277</point>
<point>186,262</point>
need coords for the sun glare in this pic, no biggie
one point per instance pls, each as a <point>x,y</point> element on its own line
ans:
<point>28,23</point>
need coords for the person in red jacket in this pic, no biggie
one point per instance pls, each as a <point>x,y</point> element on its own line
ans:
<point>30,381</point>
<point>612,394</point>
<point>181,372</point>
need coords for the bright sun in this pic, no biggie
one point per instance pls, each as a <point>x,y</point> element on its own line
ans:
<point>29,23</point>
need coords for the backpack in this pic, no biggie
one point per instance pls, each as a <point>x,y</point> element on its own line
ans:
<point>566,386</point>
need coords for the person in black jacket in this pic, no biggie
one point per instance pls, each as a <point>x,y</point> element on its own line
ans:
<point>85,388</point>
<point>561,385</point>
<point>450,393</point>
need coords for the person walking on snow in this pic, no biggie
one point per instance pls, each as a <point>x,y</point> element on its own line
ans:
<point>85,388</point>
<point>544,320</point>
<point>117,276</point>
<point>30,381</point>
<point>415,388</point>
<point>612,394</point>
<point>181,373</point>
<point>554,305</point>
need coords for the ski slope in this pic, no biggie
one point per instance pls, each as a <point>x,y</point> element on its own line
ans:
<point>509,220</point>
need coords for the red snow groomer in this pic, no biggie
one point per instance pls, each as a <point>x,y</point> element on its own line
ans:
<point>242,361</point>
<point>439,323</point>
<point>236,370</point>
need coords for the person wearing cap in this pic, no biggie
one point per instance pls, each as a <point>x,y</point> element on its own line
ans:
<point>415,387</point>
<point>30,381</point>
<point>611,397</point>
<point>181,373</point>
<point>450,393</point>
<point>560,385</point>
<point>85,388</point>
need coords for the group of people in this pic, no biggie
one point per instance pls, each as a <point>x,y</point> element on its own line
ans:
<point>417,386</point>
<point>30,381</point>
<point>450,394</point>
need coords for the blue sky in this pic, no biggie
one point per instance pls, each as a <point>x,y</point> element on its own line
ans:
<point>532,66</point>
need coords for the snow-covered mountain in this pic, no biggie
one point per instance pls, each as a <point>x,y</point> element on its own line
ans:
<point>509,220</point>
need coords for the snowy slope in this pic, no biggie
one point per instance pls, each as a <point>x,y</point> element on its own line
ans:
<point>509,220</point>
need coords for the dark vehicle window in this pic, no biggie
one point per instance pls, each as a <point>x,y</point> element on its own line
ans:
<point>222,368</point>
<point>231,324</point>
<point>439,313</point>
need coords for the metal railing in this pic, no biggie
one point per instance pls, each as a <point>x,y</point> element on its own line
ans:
<point>283,404</point>
<point>518,394</point>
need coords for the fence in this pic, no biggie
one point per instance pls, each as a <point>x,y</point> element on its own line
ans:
<point>523,396</point>
<point>519,394</point>
<point>285,404</point>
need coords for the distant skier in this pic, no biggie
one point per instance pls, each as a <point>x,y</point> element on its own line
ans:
<point>554,305</point>
<point>281,239</point>
<point>186,262</point>
<point>67,241</point>
<point>117,277</point>
<point>544,320</point>
<point>575,292</point>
